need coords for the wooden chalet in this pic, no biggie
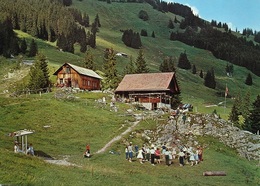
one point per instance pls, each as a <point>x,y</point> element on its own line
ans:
<point>152,90</point>
<point>69,75</point>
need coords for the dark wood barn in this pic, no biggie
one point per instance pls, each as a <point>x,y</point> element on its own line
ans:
<point>69,75</point>
<point>152,90</point>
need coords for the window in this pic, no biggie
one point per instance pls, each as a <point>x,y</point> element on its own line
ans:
<point>61,81</point>
<point>67,70</point>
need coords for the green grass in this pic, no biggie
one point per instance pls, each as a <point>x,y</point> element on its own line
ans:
<point>75,123</point>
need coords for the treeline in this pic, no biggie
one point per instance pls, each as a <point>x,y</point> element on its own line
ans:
<point>51,20</point>
<point>223,45</point>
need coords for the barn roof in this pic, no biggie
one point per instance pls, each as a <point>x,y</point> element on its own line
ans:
<point>81,70</point>
<point>147,82</point>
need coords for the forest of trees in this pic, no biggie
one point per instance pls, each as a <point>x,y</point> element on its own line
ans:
<point>51,21</point>
<point>223,45</point>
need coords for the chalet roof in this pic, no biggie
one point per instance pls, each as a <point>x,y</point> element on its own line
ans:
<point>81,70</point>
<point>146,82</point>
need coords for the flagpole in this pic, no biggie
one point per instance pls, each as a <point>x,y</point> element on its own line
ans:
<point>226,90</point>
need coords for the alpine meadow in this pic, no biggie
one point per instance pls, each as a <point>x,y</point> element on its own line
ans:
<point>217,71</point>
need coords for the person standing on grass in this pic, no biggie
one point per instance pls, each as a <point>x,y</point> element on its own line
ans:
<point>152,152</point>
<point>200,153</point>
<point>136,150</point>
<point>130,152</point>
<point>140,156</point>
<point>166,156</point>
<point>158,155</point>
<point>126,152</point>
<point>181,158</point>
<point>143,152</point>
<point>170,156</point>
<point>147,153</point>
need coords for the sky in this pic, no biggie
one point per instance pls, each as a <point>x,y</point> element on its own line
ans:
<point>238,14</point>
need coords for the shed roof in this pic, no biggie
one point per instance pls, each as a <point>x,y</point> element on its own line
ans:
<point>81,70</point>
<point>146,82</point>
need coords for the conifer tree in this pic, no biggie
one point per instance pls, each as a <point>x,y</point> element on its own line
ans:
<point>111,77</point>
<point>201,73</point>
<point>194,70</point>
<point>33,49</point>
<point>184,63</point>
<point>39,75</point>
<point>209,80</point>
<point>249,80</point>
<point>175,20</point>
<point>252,123</point>
<point>170,24</point>
<point>23,46</point>
<point>130,67</point>
<point>171,65</point>
<point>141,65</point>
<point>85,19</point>
<point>164,67</point>
<point>233,116</point>
<point>153,35</point>
<point>89,60</point>
<point>245,108</point>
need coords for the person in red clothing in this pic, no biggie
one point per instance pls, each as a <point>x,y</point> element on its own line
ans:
<point>158,155</point>
<point>88,148</point>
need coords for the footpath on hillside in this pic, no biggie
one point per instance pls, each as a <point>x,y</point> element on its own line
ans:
<point>117,138</point>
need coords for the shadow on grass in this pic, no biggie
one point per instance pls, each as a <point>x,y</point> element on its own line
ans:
<point>43,155</point>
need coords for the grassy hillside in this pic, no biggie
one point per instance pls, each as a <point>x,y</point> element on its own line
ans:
<point>75,123</point>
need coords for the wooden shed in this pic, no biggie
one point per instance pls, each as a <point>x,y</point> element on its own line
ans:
<point>152,90</point>
<point>69,75</point>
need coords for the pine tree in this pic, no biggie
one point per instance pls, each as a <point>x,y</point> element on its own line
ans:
<point>233,116</point>
<point>175,20</point>
<point>153,35</point>
<point>252,123</point>
<point>33,49</point>
<point>201,73</point>
<point>85,19</point>
<point>209,80</point>
<point>136,41</point>
<point>141,65</point>
<point>245,108</point>
<point>130,67</point>
<point>111,78</point>
<point>39,75</point>
<point>249,80</point>
<point>170,24</point>
<point>164,67</point>
<point>89,60</point>
<point>171,65</point>
<point>184,63</point>
<point>194,70</point>
<point>23,46</point>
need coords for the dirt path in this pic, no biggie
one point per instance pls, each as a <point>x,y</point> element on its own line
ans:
<point>117,138</point>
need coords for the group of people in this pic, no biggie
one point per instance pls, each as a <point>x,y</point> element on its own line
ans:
<point>155,155</point>
<point>29,150</point>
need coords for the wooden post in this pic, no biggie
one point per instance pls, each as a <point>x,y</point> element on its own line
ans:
<point>214,173</point>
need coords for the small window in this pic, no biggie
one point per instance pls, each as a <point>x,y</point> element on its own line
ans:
<point>67,70</point>
<point>61,81</point>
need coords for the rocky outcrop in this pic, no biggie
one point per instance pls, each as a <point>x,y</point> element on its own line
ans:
<point>178,132</point>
